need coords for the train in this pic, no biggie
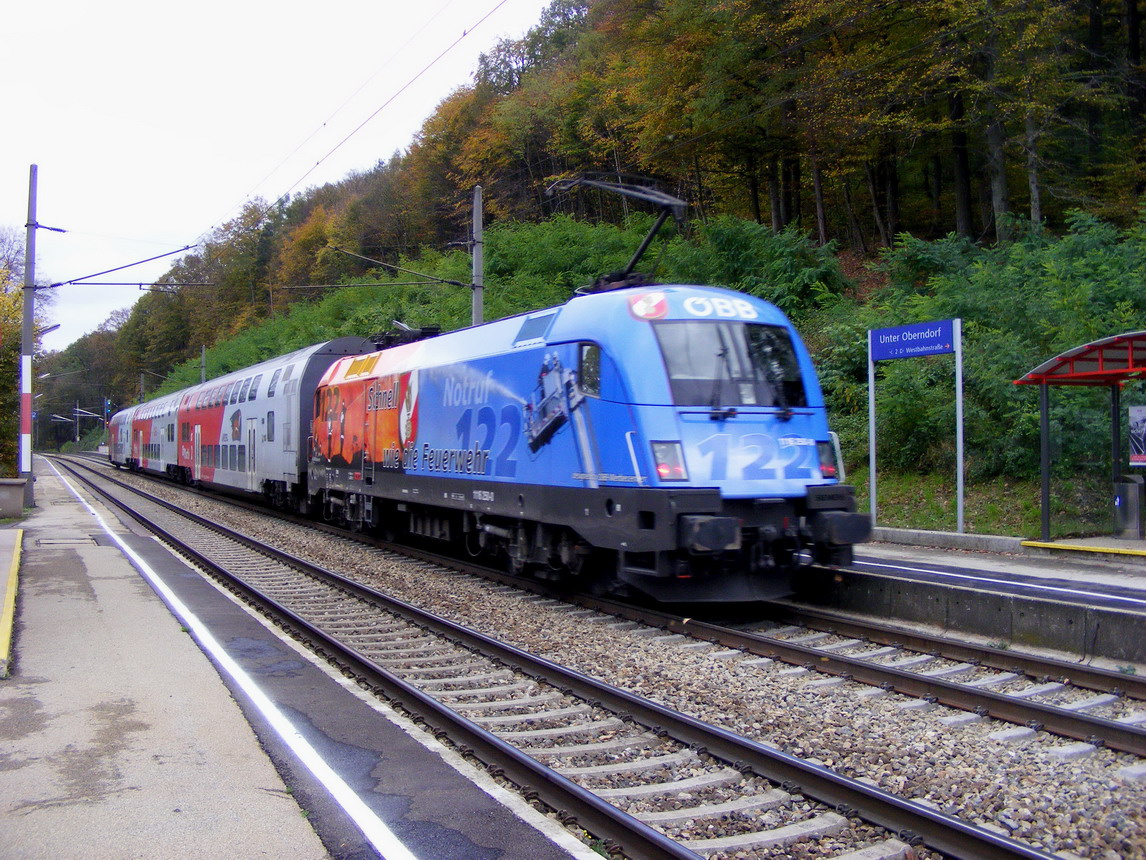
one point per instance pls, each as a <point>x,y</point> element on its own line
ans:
<point>666,440</point>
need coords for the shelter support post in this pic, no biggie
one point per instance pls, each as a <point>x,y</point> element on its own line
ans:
<point>1115,433</point>
<point>1044,457</point>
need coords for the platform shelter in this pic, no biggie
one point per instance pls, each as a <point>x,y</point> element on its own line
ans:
<point>1111,362</point>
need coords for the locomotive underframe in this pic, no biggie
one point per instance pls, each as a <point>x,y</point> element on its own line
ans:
<point>673,544</point>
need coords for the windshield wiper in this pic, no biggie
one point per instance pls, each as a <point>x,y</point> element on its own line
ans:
<point>774,374</point>
<point>716,411</point>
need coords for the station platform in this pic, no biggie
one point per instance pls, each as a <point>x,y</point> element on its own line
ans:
<point>1080,548</point>
<point>145,713</point>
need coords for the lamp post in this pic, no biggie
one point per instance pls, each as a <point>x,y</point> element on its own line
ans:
<point>28,341</point>
<point>27,337</point>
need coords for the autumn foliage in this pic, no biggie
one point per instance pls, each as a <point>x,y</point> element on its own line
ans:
<point>923,133</point>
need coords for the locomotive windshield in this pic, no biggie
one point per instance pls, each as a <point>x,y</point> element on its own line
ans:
<point>714,363</point>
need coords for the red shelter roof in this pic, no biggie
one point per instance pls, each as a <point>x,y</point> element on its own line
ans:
<point>1110,361</point>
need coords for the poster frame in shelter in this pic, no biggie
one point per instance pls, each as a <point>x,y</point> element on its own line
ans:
<point>1137,426</point>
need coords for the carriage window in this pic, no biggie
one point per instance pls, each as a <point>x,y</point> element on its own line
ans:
<point>254,392</point>
<point>730,364</point>
<point>270,426</point>
<point>243,391</point>
<point>274,382</point>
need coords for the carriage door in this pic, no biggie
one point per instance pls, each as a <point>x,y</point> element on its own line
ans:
<point>137,447</point>
<point>197,453</point>
<point>252,438</point>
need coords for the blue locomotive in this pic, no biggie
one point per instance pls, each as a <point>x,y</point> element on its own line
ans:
<point>670,440</point>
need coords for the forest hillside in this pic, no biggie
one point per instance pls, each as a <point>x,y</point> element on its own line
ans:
<point>859,166</point>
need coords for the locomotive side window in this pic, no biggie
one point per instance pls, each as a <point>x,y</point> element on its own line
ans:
<point>534,328</point>
<point>730,364</point>
<point>589,372</point>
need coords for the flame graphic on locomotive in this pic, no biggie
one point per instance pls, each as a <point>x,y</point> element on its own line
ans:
<point>408,413</point>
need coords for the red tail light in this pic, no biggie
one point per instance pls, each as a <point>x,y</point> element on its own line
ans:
<point>828,466</point>
<point>668,458</point>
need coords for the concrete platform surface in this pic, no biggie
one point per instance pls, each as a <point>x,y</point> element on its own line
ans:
<point>148,714</point>
<point>117,739</point>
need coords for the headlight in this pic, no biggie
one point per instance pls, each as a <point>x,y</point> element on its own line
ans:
<point>669,460</point>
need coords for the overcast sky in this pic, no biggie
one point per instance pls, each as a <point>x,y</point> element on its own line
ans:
<point>152,123</point>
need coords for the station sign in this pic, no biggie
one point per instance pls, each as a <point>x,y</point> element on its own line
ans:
<point>912,341</point>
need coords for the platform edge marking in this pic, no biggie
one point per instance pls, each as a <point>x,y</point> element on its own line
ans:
<point>8,613</point>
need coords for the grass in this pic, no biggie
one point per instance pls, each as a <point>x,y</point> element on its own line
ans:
<point>1080,505</point>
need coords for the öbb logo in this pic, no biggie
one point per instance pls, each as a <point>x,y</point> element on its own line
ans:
<point>704,306</point>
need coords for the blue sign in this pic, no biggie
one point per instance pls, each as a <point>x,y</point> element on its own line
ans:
<point>912,341</point>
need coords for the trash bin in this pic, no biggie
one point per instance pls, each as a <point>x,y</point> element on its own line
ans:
<point>1128,492</point>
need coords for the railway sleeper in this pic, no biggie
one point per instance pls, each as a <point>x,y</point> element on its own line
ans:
<point>817,827</point>
<point>771,799</point>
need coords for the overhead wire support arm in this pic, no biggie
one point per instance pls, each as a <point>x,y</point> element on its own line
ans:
<point>430,279</point>
<point>79,281</point>
<point>33,225</point>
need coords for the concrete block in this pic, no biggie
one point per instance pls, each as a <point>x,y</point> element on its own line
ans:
<point>1012,735</point>
<point>12,497</point>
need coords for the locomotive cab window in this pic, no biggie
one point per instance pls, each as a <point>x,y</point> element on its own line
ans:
<point>713,363</point>
<point>589,372</point>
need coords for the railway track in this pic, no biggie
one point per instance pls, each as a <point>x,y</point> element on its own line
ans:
<point>650,781</point>
<point>1097,707</point>
<point>1093,706</point>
